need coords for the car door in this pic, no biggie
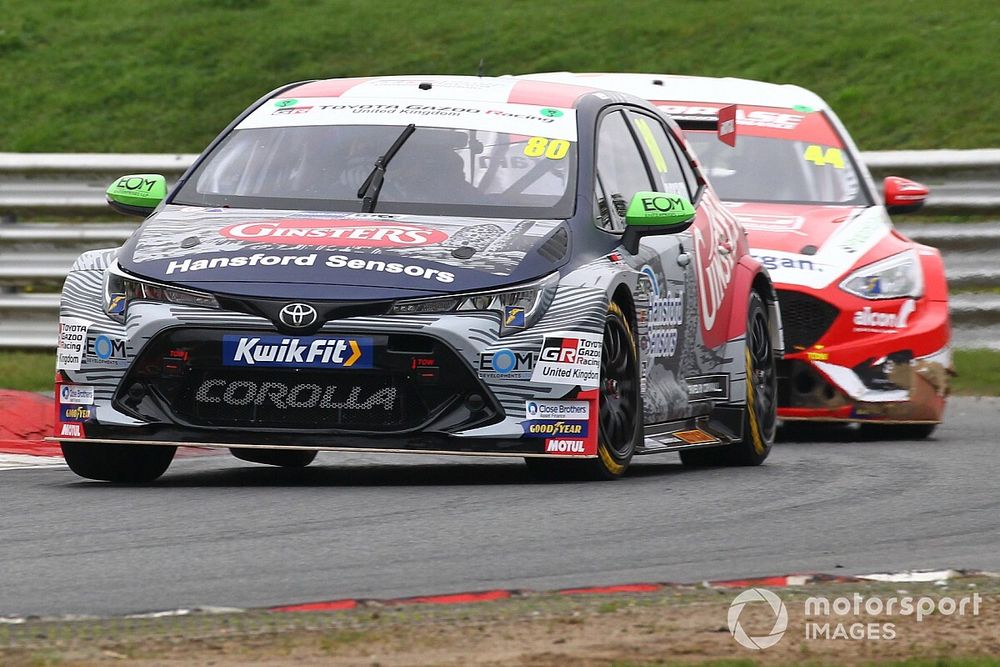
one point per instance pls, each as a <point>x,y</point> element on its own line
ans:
<point>667,281</point>
<point>710,247</point>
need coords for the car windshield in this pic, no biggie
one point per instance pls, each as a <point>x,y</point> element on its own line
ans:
<point>437,171</point>
<point>802,161</point>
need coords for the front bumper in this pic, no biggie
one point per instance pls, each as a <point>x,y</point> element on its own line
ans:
<point>846,364</point>
<point>455,394</point>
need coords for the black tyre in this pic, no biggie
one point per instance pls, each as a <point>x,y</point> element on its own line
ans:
<point>619,412</point>
<point>125,464</point>
<point>760,417</point>
<point>897,431</point>
<point>286,458</point>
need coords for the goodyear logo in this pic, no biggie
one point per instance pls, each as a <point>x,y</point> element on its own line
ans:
<point>297,351</point>
<point>75,413</point>
<point>555,428</point>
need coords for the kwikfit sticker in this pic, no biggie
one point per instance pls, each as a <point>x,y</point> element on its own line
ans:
<point>297,352</point>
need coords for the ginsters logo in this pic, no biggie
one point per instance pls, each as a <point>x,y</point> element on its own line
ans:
<point>341,233</point>
<point>777,608</point>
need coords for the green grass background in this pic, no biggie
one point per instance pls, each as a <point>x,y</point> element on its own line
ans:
<point>167,75</point>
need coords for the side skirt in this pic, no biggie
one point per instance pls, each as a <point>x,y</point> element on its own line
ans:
<point>693,433</point>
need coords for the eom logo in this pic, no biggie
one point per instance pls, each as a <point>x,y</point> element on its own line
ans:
<point>780,619</point>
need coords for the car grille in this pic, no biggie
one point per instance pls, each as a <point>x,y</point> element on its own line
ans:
<point>804,318</point>
<point>409,381</point>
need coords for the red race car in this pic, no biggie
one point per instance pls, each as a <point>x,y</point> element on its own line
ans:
<point>864,309</point>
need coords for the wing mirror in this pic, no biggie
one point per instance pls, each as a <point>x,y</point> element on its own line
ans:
<point>903,195</point>
<point>652,213</point>
<point>137,194</point>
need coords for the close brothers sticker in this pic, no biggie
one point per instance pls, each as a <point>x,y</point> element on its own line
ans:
<point>570,358</point>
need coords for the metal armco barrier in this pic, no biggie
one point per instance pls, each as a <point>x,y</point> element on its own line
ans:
<point>35,257</point>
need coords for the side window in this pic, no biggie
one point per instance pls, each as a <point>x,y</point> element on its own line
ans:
<point>621,171</point>
<point>671,171</point>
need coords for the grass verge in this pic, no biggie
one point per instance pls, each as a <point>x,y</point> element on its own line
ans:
<point>87,75</point>
<point>27,370</point>
<point>978,373</point>
<point>673,624</point>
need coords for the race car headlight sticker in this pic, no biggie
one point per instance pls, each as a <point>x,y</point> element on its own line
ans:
<point>519,307</point>
<point>120,290</point>
<point>891,278</point>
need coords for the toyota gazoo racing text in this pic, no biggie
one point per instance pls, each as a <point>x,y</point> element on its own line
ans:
<point>865,309</point>
<point>424,264</point>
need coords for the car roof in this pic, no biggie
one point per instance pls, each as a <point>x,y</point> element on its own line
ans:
<point>673,87</point>
<point>436,88</point>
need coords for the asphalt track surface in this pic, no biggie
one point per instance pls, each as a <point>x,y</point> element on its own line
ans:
<point>217,531</point>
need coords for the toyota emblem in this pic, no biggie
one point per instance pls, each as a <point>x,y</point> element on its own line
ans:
<point>298,315</point>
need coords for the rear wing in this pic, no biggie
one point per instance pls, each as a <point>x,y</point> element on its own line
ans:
<point>724,123</point>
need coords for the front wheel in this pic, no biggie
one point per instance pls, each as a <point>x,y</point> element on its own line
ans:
<point>124,464</point>
<point>760,414</point>
<point>619,412</point>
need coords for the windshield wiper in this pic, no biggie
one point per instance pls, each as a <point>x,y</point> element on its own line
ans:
<point>368,192</point>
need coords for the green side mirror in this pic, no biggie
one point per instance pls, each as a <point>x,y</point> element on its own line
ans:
<point>137,194</point>
<point>655,213</point>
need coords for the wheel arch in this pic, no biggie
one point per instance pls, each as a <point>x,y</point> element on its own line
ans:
<point>751,275</point>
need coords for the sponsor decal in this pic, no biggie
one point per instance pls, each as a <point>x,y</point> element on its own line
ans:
<point>106,350</point>
<point>493,116</point>
<point>665,315</point>
<point>71,430</point>
<point>557,409</point>
<point>565,446</point>
<point>513,317</point>
<point>773,263</point>
<point>695,437</point>
<point>310,260</point>
<point>768,119</point>
<point>506,365</point>
<point>284,396</point>
<point>707,387</point>
<point>297,352</point>
<point>381,266</point>
<point>342,233</point>
<point>71,343</point>
<point>570,358</point>
<point>550,428</point>
<point>76,394</point>
<point>291,110</point>
<point>75,413</point>
<point>117,304</point>
<point>867,319</point>
<point>817,356</point>
<point>714,267</point>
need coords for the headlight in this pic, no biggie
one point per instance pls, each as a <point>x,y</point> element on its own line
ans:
<point>121,290</point>
<point>890,278</point>
<point>519,307</point>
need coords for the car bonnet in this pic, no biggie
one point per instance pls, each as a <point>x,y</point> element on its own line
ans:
<point>277,253</point>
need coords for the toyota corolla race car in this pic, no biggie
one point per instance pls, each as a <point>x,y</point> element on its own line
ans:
<point>865,309</point>
<point>423,264</point>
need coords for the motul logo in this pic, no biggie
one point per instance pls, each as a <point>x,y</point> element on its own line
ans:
<point>561,446</point>
<point>336,233</point>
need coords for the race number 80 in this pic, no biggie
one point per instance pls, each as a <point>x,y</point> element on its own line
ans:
<point>553,149</point>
